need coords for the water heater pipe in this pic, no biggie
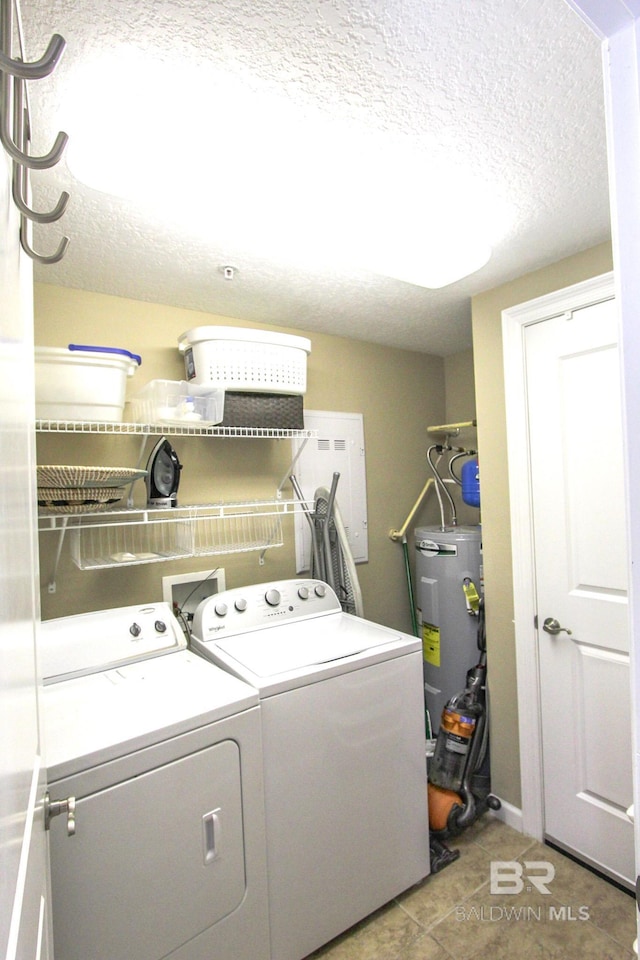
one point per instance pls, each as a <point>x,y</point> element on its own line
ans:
<point>452,429</point>
<point>440,484</point>
<point>400,534</point>
<point>396,535</point>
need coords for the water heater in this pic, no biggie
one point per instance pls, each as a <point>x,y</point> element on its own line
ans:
<point>449,584</point>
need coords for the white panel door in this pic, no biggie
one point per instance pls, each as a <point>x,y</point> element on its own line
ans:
<point>579,528</point>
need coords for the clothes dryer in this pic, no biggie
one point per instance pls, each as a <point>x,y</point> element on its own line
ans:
<point>344,752</point>
<point>155,764</point>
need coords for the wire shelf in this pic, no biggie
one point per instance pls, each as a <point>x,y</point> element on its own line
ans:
<point>169,430</point>
<point>94,548</point>
<point>125,536</point>
<point>128,537</point>
<point>241,534</point>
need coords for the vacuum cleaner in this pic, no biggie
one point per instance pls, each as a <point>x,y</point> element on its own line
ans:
<point>459,787</point>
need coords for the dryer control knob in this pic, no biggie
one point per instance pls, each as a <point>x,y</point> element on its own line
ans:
<point>135,629</point>
<point>221,609</point>
<point>272,597</point>
<point>240,604</point>
<point>160,626</point>
<point>320,590</point>
<point>303,593</point>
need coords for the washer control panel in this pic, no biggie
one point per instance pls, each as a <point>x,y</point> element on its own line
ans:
<point>106,639</point>
<point>262,604</point>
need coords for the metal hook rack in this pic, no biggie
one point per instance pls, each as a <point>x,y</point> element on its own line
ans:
<point>15,130</point>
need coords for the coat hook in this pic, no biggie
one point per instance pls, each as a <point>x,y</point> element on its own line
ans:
<point>18,68</point>
<point>38,68</point>
<point>39,257</point>
<point>35,163</point>
<point>20,202</point>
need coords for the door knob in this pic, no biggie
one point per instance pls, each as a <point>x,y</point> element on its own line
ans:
<point>552,626</point>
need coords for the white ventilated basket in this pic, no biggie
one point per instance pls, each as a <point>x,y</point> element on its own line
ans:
<point>241,359</point>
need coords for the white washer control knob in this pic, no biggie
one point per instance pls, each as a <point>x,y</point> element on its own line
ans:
<point>221,609</point>
<point>240,604</point>
<point>303,593</point>
<point>272,597</point>
<point>320,590</point>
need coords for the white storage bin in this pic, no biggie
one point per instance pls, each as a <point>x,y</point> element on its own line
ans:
<point>81,382</point>
<point>240,359</point>
<point>178,402</point>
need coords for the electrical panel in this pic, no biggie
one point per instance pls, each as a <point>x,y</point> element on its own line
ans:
<point>338,447</point>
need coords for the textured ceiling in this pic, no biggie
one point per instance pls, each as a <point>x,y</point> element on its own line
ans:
<point>510,90</point>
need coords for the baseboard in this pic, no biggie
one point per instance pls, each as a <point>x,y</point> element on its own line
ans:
<point>509,814</point>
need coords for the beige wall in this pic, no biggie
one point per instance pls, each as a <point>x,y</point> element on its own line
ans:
<point>398,392</point>
<point>460,387</point>
<point>493,445</point>
<point>461,408</point>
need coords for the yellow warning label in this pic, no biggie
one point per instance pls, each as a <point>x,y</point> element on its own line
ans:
<point>431,644</point>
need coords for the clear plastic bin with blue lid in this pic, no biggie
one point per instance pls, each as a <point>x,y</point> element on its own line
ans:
<point>81,382</point>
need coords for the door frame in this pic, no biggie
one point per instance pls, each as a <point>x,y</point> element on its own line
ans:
<point>617,24</point>
<point>515,320</point>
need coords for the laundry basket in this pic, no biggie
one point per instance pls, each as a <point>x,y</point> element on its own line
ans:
<point>242,359</point>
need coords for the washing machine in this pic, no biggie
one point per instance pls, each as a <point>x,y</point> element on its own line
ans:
<point>156,802</point>
<point>344,752</point>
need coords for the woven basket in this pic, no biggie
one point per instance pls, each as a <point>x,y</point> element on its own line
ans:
<point>84,500</point>
<point>81,495</point>
<point>65,477</point>
<point>263,410</point>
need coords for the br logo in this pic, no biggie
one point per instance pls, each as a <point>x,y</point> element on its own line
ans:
<point>510,876</point>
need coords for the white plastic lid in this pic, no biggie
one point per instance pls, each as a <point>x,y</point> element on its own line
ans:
<point>113,351</point>
<point>112,357</point>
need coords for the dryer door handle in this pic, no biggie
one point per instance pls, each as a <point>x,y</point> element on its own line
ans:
<point>53,808</point>
<point>211,827</point>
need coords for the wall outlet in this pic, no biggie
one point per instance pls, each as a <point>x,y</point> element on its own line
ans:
<point>187,590</point>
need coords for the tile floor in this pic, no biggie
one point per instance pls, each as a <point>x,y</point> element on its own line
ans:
<point>454,916</point>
